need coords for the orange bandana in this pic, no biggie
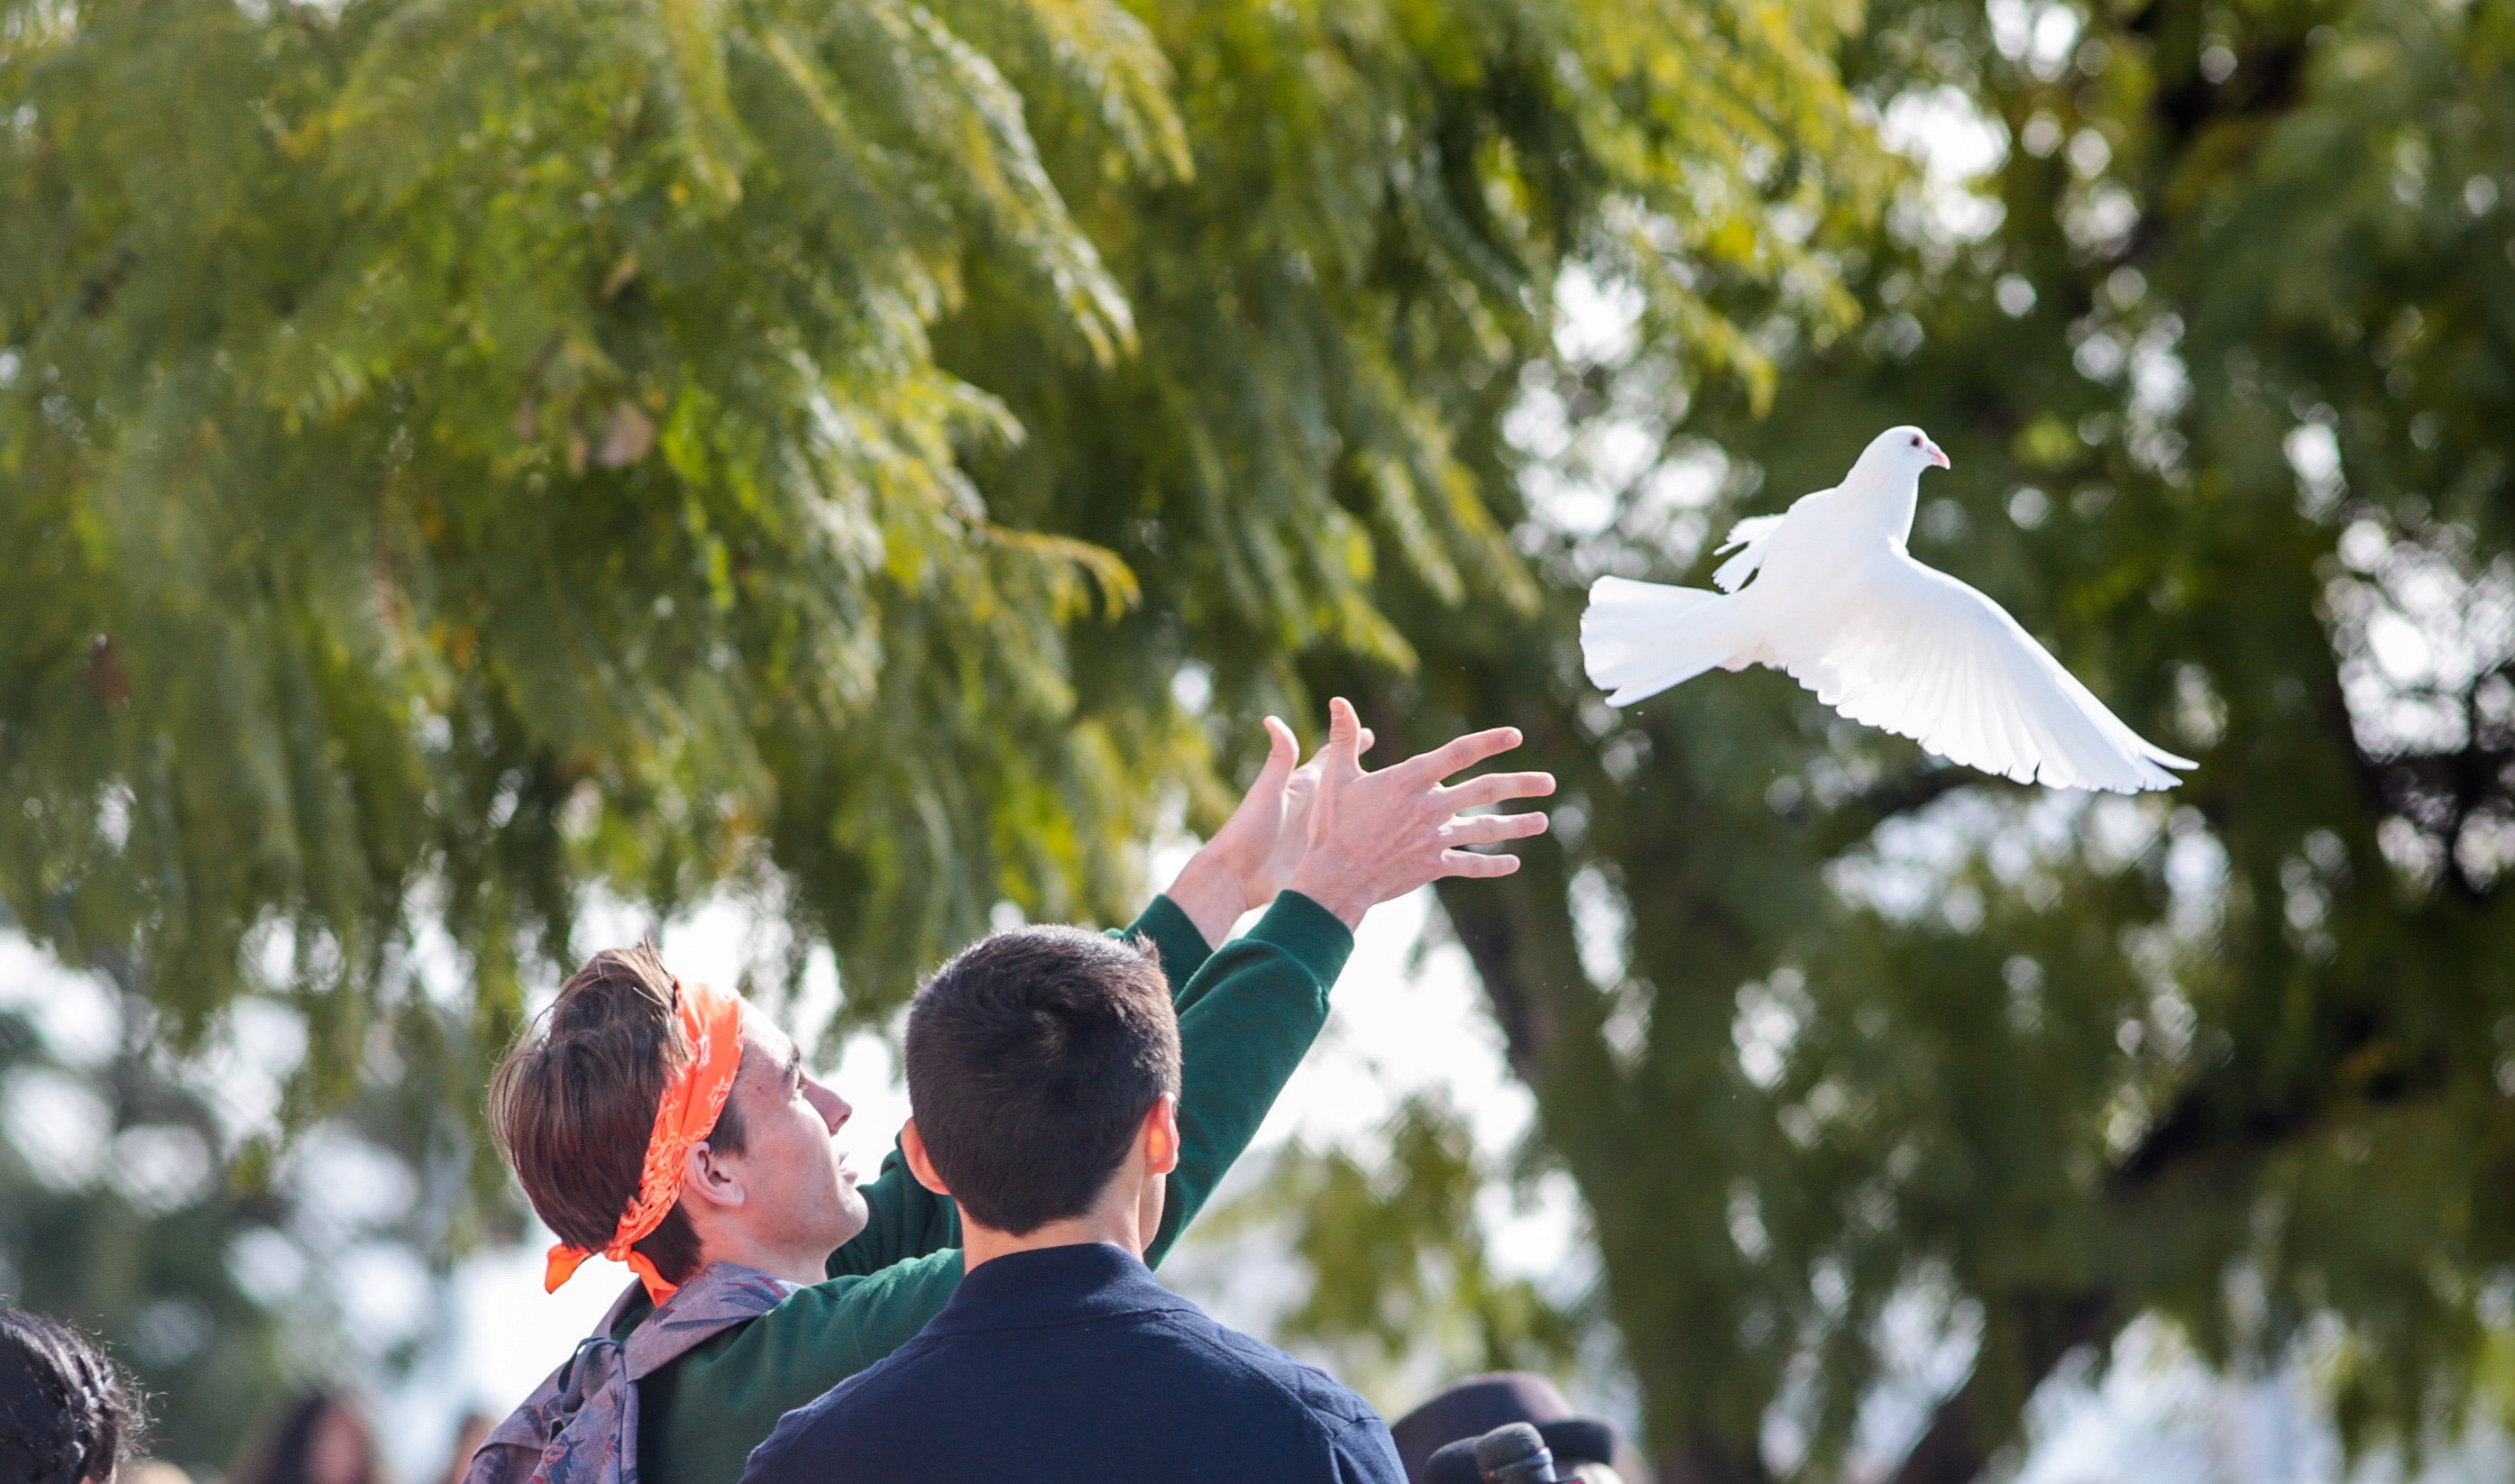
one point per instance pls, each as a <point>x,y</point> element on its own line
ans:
<point>712,1022</point>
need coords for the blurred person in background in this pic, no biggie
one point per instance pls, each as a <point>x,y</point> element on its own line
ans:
<point>1585,1447</point>
<point>66,1414</point>
<point>320,1437</point>
<point>469,1434</point>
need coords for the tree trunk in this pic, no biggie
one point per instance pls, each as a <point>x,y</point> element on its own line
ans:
<point>1973,1423</point>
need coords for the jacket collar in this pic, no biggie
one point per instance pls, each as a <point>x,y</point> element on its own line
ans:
<point>1053,1285</point>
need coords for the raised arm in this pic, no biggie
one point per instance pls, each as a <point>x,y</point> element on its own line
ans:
<point>1241,868</point>
<point>1255,852</point>
<point>1251,1013</point>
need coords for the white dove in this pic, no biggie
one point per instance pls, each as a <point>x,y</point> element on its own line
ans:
<point>1840,604</point>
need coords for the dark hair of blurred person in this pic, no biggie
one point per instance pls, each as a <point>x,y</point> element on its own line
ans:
<point>66,1415</point>
<point>321,1437</point>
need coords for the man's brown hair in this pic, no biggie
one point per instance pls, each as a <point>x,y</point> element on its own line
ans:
<point>573,1103</point>
<point>1032,1059</point>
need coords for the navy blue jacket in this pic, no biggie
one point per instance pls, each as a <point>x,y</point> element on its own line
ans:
<point>1071,1365</point>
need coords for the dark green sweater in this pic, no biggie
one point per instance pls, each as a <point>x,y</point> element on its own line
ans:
<point>1248,1014</point>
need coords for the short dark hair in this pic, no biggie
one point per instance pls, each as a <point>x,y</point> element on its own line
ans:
<point>1033,1057</point>
<point>573,1103</point>
<point>66,1415</point>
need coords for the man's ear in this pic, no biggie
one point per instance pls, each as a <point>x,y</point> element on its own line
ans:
<point>1160,1136</point>
<point>919,1165</point>
<point>709,1179</point>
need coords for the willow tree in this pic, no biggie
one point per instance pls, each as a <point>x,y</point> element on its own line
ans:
<point>2220,347</point>
<point>462,455</point>
<point>497,451</point>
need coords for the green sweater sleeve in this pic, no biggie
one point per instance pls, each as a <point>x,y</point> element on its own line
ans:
<point>1184,948</point>
<point>1245,1021</point>
<point>904,1219</point>
<point>1251,1010</point>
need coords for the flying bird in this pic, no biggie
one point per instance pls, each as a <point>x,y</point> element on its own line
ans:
<point>1837,602</point>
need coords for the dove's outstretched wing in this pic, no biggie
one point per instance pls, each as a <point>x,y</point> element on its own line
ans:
<point>1926,656</point>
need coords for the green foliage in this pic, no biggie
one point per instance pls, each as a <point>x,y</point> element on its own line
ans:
<point>462,457</point>
<point>222,1295</point>
<point>148,1276</point>
<point>454,446</point>
<point>1393,1252</point>
<point>216,1294</point>
<point>2221,378</point>
<point>512,450</point>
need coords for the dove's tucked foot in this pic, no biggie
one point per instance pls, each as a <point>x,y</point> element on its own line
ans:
<point>1640,637</point>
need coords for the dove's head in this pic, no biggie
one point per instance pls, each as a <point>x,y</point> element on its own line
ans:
<point>1900,454</point>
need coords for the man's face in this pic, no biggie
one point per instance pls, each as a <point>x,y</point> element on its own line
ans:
<point>801,1190</point>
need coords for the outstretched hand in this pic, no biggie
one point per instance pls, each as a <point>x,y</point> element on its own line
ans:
<point>1254,854</point>
<point>1373,837</point>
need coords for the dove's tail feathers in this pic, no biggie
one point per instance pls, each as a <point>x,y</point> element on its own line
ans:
<point>1638,638</point>
<point>1749,535</point>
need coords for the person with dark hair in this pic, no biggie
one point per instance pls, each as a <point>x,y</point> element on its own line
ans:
<point>672,1126</point>
<point>319,1437</point>
<point>1045,1080</point>
<point>1034,1059</point>
<point>66,1414</point>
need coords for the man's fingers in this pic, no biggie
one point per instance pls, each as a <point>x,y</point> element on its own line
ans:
<point>1486,829</point>
<point>1345,739</point>
<point>1466,752</point>
<point>1469,863</point>
<point>1283,750</point>
<point>1493,788</point>
<point>1283,754</point>
<point>1367,738</point>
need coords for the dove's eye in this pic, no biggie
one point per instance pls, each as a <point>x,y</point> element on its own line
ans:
<point>1917,440</point>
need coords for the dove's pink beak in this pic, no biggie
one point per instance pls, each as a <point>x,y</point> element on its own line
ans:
<point>1937,457</point>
